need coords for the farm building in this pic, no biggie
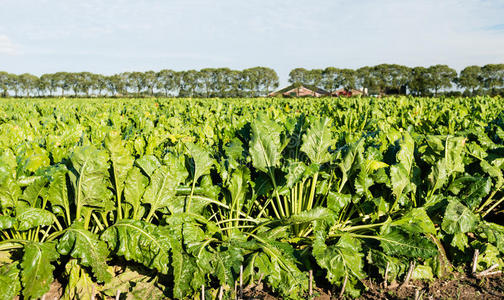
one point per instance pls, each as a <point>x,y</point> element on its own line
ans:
<point>347,93</point>
<point>301,91</point>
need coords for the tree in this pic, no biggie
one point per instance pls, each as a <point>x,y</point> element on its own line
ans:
<point>136,81</point>
<point>63,81</point>
<point>42,84</point>
<point>150,81</point>
<point>167,80</point>
<point>115,84</point>
<point>439,77</point>
<point>206,78</point>
<point>330,80</point>
<point>299,76</point>
<point>492,76</point>
<point>367,78</point>
<point>269,80</point>
<point>51,82</point>
<point>391,77</point>
<point>314,77</point>
<point>470,78</point>
<point>258,81</point>
<point>14,84</point>
<point>418,84</point>
<point>188,83</point>
<point>28,83</point>
<point>99,83</point>
<point>4,83</point>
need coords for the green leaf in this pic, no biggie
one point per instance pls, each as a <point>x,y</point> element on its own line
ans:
<point>318,213</point>
<point>123,281</point>
<point>317,140</point>
<point>7,222</point>
<point>341,260</point>
<point>90,178</point>
<point>494,233</point>
<point>400,172</point>
<point>122,161</point>
<point>201,158</point>
<point>31,217</point>
<point>398,242</point>
<point>264,146</point>
<point>148,164</point>
<point>85,245</point>
<point>458,218</point>
<point>471,190</point>
<point>238,187</point>
<point>35,190</point>
<point>142,242</point>
<point>226,264</point>
<point>10,285</point>
<point>337,201</point>
<point>37,270</point>
<point>161,190</point>
<point>147,290</point>
<point>460,241</point>
<point>415,221</point>
<point>422,272</point>
<point>349,158</point>
<point>80,285</point>
<point>57,193</point>
<point>134,189</point>
<point>10,191</point>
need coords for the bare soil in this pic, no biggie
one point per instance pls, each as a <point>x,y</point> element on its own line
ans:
<point>459,286</point>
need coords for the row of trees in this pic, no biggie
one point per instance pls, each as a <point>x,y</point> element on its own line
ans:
<point>209,82</point>
<point>258,81</point>
<point>398,79</point>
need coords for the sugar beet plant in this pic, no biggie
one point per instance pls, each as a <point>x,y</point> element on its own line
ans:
<point>156,198</point>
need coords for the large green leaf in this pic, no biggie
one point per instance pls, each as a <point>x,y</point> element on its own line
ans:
<point>90,178</point>
<point>202,162</point>
<point>349,158</point>
<point>10,285</point>
<point>34,191</point>
<point>37,268</point>
<point>226,264</point>
<point>57,192</point>
<point>85,245</point>
<point>7,222</point>
<point>134,189</point>
<point>162,188</point>
<point>80,284</point>
<point>317,140</point>
<point>398,242</point>
<point>142,242</point>
<point>122,161</point>
<point>344,259</point>
<point>471,190</point>
<point>400,172</point>
<point>415,221</point>
<point>458,218</point>
<point>31,217</point>
<point>264,146</point>
<point>10,191</point>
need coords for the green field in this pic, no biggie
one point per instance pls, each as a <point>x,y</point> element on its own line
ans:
<point>160,198</point>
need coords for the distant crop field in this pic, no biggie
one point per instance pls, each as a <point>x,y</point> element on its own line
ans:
<point>159,198</point>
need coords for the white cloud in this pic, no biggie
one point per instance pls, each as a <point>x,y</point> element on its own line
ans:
<point>7,46</point>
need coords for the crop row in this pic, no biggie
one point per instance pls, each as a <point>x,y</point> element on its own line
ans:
<point>161,198</point>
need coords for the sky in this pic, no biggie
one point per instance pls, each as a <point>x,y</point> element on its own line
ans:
<point>107,37</point>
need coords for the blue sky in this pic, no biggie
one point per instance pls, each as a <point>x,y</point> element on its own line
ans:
<point>42,36</point>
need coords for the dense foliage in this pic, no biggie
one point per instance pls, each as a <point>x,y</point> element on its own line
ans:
<point>161,197</point>
<point>259,82</point>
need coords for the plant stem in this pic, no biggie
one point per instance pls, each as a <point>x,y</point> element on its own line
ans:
<point>492,207</point>
<point>312,192</point>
